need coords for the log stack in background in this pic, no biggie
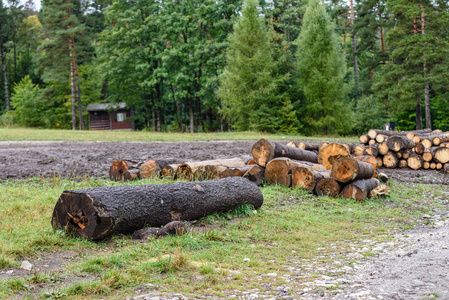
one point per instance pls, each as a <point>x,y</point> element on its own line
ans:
<point>419,149</point>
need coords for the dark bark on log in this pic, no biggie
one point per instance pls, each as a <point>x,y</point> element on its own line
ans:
<point>446,168</point>
<point>328,187</point>
<point>308,146</point>
<point>390,160</point>
<point>347,169</point>
<point>368,159</point>
<point>331,153</point>
<point>419,148</point>
<point>99,212</point>
<point>359,189</point>
<point>397,143</point>
<point>415,162</point>
<point>307,178</point>
<point>411,134</point>
<point>129,175</point>
<point>263,151</point>
<point>372,133</point>
<point>169,171</point>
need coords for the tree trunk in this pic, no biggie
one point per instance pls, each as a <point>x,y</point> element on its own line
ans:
<point>72,85</point>
<point>347,169</point>
<point>415,161</point>
<point>368,159</point>
<point>359,189</point>
<point>358,150</point>
<point>185,170</point>
<point>440,154</point>
<point>5,77</point>
<point>104,88</point>
<point>418,111</point>
<point>279,170</point>
<point>263,151</point>
<point>192,125</point>
<point>99,212</point>
<point>255,175</point>
<point>152,168</point>
<point>383,148</point>
<point>354,53</point>
<point>372,150</point>
<point>390,160</point>
<point>328,187</point>
<point>364,139</point>
<point>169,171</point>
<point>331,153</point>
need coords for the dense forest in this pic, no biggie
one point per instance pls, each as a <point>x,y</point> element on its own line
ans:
<point>313,67</point>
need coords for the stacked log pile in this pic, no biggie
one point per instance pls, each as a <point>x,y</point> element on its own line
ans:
<point>419,149</point>
<point>317,167</point>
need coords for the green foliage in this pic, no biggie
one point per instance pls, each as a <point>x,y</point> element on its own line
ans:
<point>440,113</point>
<point>27,103</point>
<point>368,114</point>
<point>248,87</point>
<point>322,69</point>
<point>287,115</point>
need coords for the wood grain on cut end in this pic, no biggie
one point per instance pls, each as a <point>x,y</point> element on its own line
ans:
<point>149,169</point>
<point>347,169</point>
<point>117,169</point>
<point>328,187</point>
<point>331,153</point>
<point>263,152</point>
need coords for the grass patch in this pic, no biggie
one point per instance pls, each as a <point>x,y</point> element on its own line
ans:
<point>29,134</point>
<point>227,254</point>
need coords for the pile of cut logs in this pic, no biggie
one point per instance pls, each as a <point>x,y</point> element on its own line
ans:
<point>326,169</point>
<point>419,149</point>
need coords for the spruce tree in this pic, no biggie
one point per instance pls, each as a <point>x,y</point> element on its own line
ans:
<point>248,87</point>
<point>322,69</point>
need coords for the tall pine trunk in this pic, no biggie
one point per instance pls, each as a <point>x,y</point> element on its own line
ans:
<point>354,53</point>
<point>5,77</point>
<point>426,87</point>
<point>77,87</point>
<point>192,129</point>
<point>418,111</point>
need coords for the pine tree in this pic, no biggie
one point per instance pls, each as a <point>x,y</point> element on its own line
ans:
<point>59,53</point>
<point>248,86</point>
<point>419,56</point>
<point>322,68</point>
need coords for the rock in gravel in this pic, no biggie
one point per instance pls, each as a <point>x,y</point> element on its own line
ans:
<point>26,265</point>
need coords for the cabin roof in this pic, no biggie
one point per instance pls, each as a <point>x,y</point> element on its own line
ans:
<point>106,106</point>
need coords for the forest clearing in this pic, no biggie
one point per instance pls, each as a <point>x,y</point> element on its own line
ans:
<point>296,246</point>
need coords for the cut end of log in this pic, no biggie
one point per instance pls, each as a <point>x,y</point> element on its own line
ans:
<point>76,214</point>
<point>149,169</point>
<point>262,152</point>
<point>328,187</point>
<point>331,153</point>
<point>117,169</point>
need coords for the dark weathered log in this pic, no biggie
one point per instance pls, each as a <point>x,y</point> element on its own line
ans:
<point>308,146</point>
<point>331,153</point>
<point>263,151</point>
<point>415,162</point>
<point>98,212</point>
<point>347,169</point>
<point>383,148</point>
<point>279,170</point>
<point>372,150</point>
<point>328,187</point>
<point>307,178</point>
<point>255,175</point>
<point>359,189</point>
<point>390,160</point>
<point>397,143</point>
<point>440,154</point>
<point>411,134</point>
<point>364,139</point>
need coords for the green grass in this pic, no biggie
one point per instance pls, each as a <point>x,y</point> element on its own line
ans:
<point>27,134</point>
<point>291,225</point>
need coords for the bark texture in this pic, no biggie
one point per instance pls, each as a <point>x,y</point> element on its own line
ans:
<point>347,169</point>
<point>99,212</point>
<point>359,189</point>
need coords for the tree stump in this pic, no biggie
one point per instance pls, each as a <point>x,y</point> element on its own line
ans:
<point>99,212</point>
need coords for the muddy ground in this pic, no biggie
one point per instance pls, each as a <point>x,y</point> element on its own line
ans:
<point>413,266</point>
<point>19,160</point>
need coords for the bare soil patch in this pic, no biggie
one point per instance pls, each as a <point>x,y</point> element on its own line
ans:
<point>20,160</point>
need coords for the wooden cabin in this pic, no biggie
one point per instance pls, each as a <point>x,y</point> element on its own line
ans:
<point>107,116</point>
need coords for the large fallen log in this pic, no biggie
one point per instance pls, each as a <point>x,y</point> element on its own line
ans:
<point>359,189</point>
<point>331,153</point>
<point>279,170</point>
<point>99,212</point>
<point>263,151</point>
<point>347,169</point>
